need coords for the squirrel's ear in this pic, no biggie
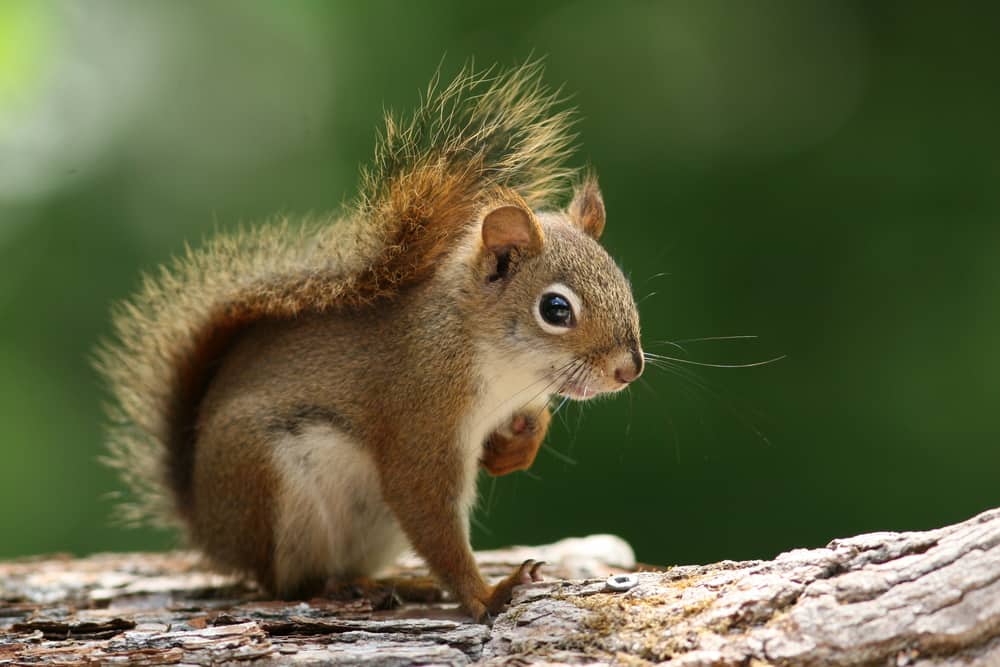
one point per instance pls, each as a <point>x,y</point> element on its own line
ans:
<point>587,208</point>
<point>508,227</point>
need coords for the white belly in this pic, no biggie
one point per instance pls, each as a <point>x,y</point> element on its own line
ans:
<point>332,519</point>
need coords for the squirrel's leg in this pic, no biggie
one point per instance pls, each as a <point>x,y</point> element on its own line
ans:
<point>514,446</point>
<point>430,491</point>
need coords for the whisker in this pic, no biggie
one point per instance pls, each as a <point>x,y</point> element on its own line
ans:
<point>562,377</point>
<point>679,343</point>
<point>575,431</point>
<point>570,377</point>
<point>631,414</point>
<point>559,407</point>
<point>659,357</point>
<point>565,400</point>
<point>480,525</point>
<point>673,431</point>
<point>534,476</point>
<point>543,390</point>
<point>701,384</point>
<point>562,415</point>
<point>645,383</point>
<point>661,274</point>
<point>670,343</point>
<point>559,455</point>
<point>488,508</point>
<point>709,338</point>
<point>579,421</point>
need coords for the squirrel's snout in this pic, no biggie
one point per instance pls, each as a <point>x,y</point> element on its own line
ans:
<point>630,367</point>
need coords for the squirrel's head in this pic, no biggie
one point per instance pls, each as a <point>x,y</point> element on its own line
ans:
<point>556,303</point>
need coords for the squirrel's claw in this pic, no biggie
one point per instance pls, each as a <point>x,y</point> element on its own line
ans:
<point>501,593</point>
<point>528,571</point>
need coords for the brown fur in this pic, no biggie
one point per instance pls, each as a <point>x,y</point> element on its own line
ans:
<point>469,143</point>
<point>395,339</point>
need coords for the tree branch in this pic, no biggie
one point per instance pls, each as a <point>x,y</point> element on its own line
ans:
<point>924,598</point>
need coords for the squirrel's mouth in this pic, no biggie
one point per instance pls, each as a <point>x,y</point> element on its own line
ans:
<point>577,391</point>
<point>585,386</point>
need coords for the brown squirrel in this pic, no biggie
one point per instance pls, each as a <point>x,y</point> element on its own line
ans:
<point>306,401</point>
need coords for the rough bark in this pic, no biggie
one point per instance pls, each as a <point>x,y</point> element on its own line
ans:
<point>924,598</point>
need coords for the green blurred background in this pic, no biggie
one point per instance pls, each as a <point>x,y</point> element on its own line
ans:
<point>823,175</point>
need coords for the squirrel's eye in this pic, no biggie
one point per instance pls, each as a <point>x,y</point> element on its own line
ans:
<point>559,309</point>
<point>555,310</point>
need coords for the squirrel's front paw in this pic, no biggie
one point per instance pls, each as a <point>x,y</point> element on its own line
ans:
<point>515,446</point>
<point>501,593</point>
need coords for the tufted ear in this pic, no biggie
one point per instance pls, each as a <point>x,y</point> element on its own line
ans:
<point>587,208</point>
<point>508,228</point>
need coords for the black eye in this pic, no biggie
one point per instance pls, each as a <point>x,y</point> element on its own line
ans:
<point>555,310</point>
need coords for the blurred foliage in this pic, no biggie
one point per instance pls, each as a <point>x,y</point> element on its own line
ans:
<point>822,175</point>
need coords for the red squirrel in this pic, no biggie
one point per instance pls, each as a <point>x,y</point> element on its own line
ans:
<point>307,400</point>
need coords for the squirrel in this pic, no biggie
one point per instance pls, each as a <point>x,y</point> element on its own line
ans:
<point>307,400</point>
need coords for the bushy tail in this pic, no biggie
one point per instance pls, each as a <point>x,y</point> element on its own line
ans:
<point>481,136</point>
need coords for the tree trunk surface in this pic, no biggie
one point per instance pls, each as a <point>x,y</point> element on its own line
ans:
<point>921,598</point>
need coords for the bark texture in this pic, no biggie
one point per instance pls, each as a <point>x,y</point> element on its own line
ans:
<point>923,598</point>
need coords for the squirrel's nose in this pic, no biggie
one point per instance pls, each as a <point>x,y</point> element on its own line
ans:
<point>631,368</point>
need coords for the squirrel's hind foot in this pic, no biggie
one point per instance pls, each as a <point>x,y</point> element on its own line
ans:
<point>501,593</point>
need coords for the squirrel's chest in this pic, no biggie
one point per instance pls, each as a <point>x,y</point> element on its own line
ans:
<point>499,392</point>
<point>504,389</point>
